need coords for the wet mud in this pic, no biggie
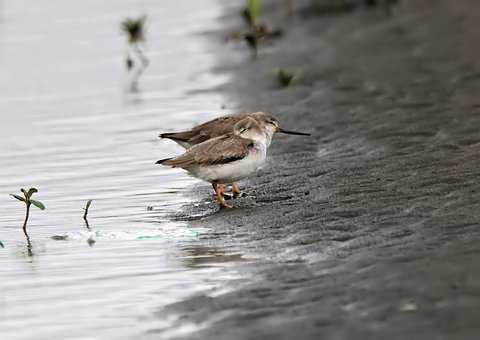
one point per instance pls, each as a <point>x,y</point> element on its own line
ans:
<point>369,229</point>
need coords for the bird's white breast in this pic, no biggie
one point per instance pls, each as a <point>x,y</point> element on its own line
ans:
<point>233,171</point>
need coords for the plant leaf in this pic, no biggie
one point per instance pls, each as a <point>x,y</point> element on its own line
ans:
<point>1,244</point>
<point>38,204</point>
<point>31,191</point>
<point>89,202</point>
<point>20,198</point>
<point>254,7</point>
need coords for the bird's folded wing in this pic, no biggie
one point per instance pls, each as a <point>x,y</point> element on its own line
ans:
<point>182,161</point>
<point>221,150</point>
<point>214,128</point>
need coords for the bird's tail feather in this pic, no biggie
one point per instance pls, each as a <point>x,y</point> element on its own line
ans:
<point>161,161</point>
<point>181,136</point>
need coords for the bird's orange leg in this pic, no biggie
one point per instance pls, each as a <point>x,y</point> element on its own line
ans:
<point>236,189</point>
<point>219,186</point>
<point>220,190</point>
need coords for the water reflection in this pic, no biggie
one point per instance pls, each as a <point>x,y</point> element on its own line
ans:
<point>68,128</point>
<point>29,247</point>
<point>202,256</point>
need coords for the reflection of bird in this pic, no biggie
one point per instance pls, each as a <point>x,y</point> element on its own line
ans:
<point>223,125</point>
<point>227,158</point>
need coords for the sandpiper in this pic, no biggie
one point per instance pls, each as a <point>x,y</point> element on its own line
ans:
<point>224,125</point>
<point>227,158</point>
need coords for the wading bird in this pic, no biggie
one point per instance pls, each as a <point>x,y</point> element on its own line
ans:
<point>225,159</point>
<point>224,125</point>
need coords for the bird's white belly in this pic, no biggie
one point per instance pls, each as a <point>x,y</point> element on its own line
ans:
<point>234,171</point>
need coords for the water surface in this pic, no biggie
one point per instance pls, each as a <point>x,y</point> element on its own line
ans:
<point>70,128</point>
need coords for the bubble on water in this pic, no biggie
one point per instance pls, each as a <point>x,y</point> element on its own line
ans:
<point>93,236</point>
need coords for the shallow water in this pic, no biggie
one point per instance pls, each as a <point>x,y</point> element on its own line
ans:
<point>70,128</point>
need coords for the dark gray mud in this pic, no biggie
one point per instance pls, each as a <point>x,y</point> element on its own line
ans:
<point>369,229</point>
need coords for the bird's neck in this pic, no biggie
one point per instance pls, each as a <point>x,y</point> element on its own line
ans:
<point>260,143</point>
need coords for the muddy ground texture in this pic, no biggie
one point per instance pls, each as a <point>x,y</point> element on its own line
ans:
<point>369,229</point>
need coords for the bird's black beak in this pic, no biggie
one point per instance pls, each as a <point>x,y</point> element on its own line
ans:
<point>293,132</point>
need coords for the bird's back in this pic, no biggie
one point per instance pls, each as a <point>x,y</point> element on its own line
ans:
<point>203,132</point>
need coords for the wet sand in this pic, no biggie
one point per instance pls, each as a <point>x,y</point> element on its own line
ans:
<point>370,228</point>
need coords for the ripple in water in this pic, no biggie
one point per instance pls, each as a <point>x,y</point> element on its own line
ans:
<point>69,129</point>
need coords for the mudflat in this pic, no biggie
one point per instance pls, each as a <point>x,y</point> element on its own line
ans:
<point>368,229</point>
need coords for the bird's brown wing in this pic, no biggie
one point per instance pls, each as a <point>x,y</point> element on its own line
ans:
<point>218,150</point>
<point>203,132</point>
<point>221,150</point>
<point>214,128</point>
<point>183,161</point>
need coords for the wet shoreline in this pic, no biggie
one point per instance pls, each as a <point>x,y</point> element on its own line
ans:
<point>368,229</point>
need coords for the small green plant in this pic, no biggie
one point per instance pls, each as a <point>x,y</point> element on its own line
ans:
<point>285,77</point>
<point>1,245</point>
<point>85,212</point>
<point>27,199</point>
<point>134,29</point>
<point>252,12</point>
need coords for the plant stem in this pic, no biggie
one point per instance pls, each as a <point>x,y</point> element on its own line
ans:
<point>85,217</point>
<point>27,213</point>
<point>85,213</point>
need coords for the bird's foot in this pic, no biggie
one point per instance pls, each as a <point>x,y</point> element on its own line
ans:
<point>224,205</point>
<point>220,191</point>
<point>236,190</point>
<point>229,197</point>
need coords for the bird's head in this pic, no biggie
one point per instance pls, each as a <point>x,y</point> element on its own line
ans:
<point>271,125</point>
<point>249,128</point>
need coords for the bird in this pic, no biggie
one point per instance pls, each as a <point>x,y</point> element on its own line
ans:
<point>223,125</point>
<point>226,158</point>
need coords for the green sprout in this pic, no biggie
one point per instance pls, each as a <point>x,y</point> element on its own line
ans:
<point>134,29</point>
<point>252,12</point>
<point>27,199</point>
<point>285,77</point>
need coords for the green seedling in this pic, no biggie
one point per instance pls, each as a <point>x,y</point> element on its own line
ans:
<point>251,13</point>
<point>285,77</point>
<point>134,29</point>
<point>85,212</point>
<point>27,199</point>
